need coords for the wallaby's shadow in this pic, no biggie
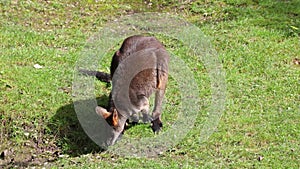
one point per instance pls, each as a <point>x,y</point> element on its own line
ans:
<point>70,136</point>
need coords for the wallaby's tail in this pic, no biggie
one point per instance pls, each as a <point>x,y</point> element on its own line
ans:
<point>103,77</point>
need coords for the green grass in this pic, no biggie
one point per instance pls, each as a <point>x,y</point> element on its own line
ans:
<point>256,41</point>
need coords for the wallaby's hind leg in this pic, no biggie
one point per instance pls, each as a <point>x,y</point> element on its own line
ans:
<point>156,123</point>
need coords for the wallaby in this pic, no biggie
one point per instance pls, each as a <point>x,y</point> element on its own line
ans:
<point>142,85</point>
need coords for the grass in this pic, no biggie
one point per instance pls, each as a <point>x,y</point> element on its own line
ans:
<point>257,42</point>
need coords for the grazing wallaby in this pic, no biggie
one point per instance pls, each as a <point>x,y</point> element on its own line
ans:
<point>142,85</point>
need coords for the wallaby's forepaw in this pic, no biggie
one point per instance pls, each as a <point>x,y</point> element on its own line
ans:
<point>156,125</point>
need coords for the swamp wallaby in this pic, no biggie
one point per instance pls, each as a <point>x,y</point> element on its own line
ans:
<point>142,85</point>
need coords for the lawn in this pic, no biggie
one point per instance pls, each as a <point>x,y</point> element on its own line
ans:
<point>257,43</point>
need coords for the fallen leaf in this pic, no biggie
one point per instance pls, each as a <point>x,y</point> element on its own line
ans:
<point>26,134</point>
<point>294,27</point>
<point>37,66</point>
<point>296,61</point>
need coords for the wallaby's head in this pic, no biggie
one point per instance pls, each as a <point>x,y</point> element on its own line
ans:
<point>112,118</point>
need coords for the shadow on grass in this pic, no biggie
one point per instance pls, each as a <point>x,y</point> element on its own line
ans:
<point>69,137</point>
<point>68,133</point>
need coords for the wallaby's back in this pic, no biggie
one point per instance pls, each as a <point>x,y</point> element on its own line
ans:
<point>131,45</point>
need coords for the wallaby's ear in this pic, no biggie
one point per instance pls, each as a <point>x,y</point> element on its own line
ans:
<point>102,112</point>
<point>115,118</point>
